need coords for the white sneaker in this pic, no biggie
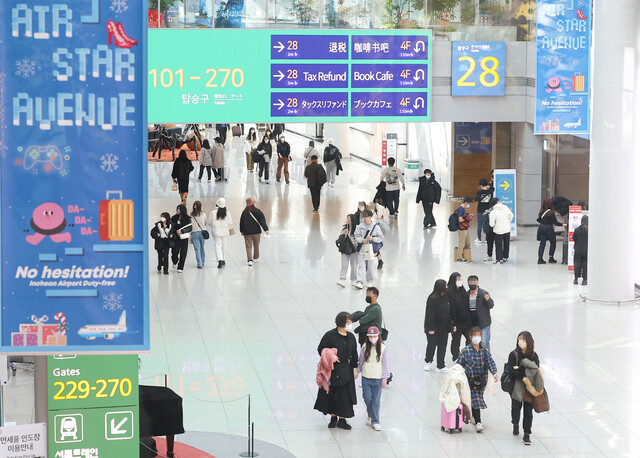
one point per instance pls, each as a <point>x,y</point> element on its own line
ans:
<point>179,271</point>
<point>427,367</point>
<point>478,241</point>
<point>377,427</point>
<point>479,427</point>
<point>368,421</point>
<point>358,285</point>
<point>340,282</point>
<point>488,258</point>
<point>444,369</point>
<point>353,282</point>
<point>369,284</point>
<point>250,263</point>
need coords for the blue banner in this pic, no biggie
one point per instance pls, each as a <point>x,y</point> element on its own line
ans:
<point>477,68</point>
<point>505,185</point>
<point>473,137</point>
<point>563,43</point>
<point>74,186</point>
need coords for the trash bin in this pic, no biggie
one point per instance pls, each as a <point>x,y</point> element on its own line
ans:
<point>411,169</point>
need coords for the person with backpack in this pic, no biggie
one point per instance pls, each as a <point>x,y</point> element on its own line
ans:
<point>581,241</point>
<point>483,197</point>
<point>331,156</point>
<point>460,221</point>
<point>316,178</point>
<point>347,248</point>
<point>429,192</point>
<point>369,237</point>
<point>393,177</point>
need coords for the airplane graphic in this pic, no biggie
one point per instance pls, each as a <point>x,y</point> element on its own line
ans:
<point>573,125</point>
<point>108,331</point>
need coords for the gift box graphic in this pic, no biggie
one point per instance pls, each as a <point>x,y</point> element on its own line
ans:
<point>33,334</point>
<point>57,340</point>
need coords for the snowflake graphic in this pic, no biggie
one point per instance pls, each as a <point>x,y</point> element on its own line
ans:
<point>63,172</point>
<point>67,149</point>
<point>109,162</point>
<point>119,6</point>
<point>26,68</point>
<point>112,302</point>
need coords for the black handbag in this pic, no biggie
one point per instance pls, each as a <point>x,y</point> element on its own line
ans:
<point>204,232</point>
<point>507,380</point>
<point>478,382</point>
<point>344,244</point>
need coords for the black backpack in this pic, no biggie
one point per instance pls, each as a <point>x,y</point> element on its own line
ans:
<point>453,222</point>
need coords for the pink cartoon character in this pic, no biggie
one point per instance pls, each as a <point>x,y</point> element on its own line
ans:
<point>554,84</point>
<point>48,220</point>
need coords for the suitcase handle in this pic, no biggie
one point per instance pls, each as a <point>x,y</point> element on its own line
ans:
<point>117,193</point>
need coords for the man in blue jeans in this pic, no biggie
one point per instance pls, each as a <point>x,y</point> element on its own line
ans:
<point>480,305</point>
<point>393,177</point>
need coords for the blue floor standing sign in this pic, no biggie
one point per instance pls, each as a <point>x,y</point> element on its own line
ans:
<point>505,185</point>
<point>73,193</point>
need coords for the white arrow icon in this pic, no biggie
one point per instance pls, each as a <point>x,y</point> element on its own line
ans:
<point>280,47</point>
<point>116,429</point>
<point>279,75</point>
<point>416,48</point>
<point>419,72</point>
<point>419,103</point>
<point>280,104</point>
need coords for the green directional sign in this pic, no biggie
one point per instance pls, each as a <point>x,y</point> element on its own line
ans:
<point>93,405</point>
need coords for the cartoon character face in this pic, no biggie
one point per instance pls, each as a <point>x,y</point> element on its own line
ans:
<point>48,216</point>
<point>553,83</point>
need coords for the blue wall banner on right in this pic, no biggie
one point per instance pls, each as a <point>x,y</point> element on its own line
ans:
<point>563,47</point>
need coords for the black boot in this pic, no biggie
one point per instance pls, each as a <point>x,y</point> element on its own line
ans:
<point>380,263</point>
<point>516,430</point>
<point>541,261</point>
<point>332,422</point>
<point>526,439</point>
<point>220,264</point>
<point>552,261</point>
<point>342,424</point>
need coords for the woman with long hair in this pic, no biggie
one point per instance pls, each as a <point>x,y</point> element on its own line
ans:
<point>266,150</point>
<point>251,143</point>
<point>181,222</point>
<point>182,167</point>
<point>206,160</point>
<point>162,235</point>
<point>459,313</point>
<point>199,220</point>
<point>373,364</point>
<point>547,219</point>
<point>437,325</point>
<point>221,225</point>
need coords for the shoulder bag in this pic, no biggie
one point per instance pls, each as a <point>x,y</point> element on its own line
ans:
<point>377,246</point>
<point>254,218</point>
<point>204,232</point>
<point>507,380</point>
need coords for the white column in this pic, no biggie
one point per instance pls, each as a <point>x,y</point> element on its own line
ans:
<point>614,146</point>
<point>339,131</point>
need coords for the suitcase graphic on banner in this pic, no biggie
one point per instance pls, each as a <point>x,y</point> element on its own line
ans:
<point>116,218</point>
<point>577,83</point>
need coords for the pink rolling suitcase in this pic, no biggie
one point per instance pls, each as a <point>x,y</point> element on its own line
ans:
<point>451,421</point>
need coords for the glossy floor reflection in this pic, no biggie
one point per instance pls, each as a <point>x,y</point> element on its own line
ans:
<point>223,334</point>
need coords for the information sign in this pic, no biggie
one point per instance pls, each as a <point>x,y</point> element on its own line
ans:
<point>505,185</point>
<point>73,177</point>
<point>93,405</point>
<point>473,137</point>
<point>312,75</point>
<point>23,441</point>
<point>575,219</point>
<point>563,69</point>
<point>477,68</point>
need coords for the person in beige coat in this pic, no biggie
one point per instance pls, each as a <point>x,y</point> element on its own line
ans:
<point>218,160</point>
<point>221,227</point>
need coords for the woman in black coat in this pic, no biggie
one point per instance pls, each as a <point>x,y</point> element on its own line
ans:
<point>437,324</point>
<point>341,398</point>
<point>459,313</point>
<point>181,223</point>
<point>524,349</point>
<point>164,238</point>
<point>266,151</point>
<point>182,167</point>
<point>547,219</point>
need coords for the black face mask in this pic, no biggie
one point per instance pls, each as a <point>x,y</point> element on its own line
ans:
<point>368,299</point>
<point>473,287</point>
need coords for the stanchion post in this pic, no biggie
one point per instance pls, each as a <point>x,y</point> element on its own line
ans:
<point>249,451</point>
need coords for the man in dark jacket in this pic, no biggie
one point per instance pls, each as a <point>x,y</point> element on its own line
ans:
<point>483,197</point>
<point>429,192</point>
<point>372,314</point>
<point>580,239</point>
<point>316,177</point>
<point>332,155</point>
<point>480,305</point>
<point>284,153</point>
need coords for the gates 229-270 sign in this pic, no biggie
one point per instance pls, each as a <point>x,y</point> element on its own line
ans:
<point>74,270</point>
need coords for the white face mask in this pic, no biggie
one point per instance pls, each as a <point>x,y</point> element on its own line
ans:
<point>459,283</point>
<point>361,208</point>
<point>428,176</point>
<point>349,327</point>
<point>373,340</point>
<point>476,340</point>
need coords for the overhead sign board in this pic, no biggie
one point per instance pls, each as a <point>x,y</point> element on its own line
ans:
<point>505,185</point>
<point>74,187</point>
<point>93,405</point>
<point>563,67</point>
<point>268,75</point>
<point>477,68</point>
<point>473,137</point>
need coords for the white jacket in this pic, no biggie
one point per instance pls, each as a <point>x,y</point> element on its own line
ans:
<point>220,227</point>
<point>500,219</point>
<point>455,389</point>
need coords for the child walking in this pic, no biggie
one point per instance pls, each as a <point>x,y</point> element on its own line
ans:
<point>373,364</point>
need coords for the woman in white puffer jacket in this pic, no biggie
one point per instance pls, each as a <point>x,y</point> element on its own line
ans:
<point>221,226</point>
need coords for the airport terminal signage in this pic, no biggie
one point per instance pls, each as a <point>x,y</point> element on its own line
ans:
<point>73,178</point>
<point>477,68</point>
<point>92,405</point>
<point>272,75</point>
<point>563,48</point>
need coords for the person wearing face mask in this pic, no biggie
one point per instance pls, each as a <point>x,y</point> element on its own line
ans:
<point>332,156</point>
<point>341,397</point>
<point>251,143</point>
<point>437,325</point>
<point>480,305</point>
<point>477,362</point>
<point>483,197</point>
<point>516,364</point>
<point>464,221</point>
<point>357,216</point>
<point>366,233</point>
<point>181,226</point>
<point>381,218</point>
<point>460,315</point>
<point>284,156</point>
<point>265,150</point>
<point>316,178</point>
<point>373,364</point>
<point>372,314</point>
<point>429,192</point>
<point>310,151</point>
<point>348,255</point>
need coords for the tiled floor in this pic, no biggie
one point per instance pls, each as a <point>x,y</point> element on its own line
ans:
<point>221,335</point>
